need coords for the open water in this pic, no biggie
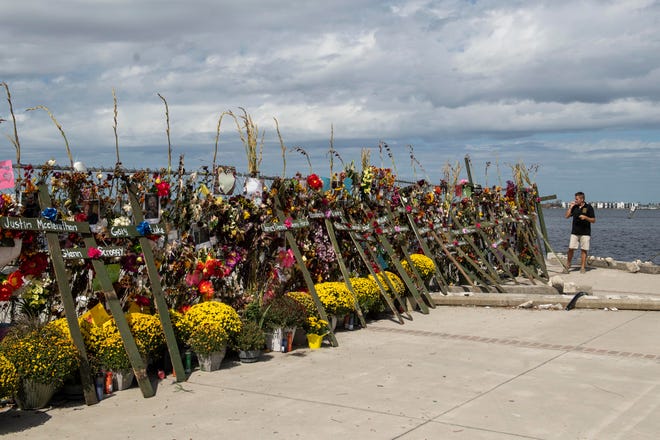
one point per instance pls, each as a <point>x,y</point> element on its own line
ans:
<point>613,235</point>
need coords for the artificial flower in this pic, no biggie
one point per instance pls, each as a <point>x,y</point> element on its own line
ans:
<point>314,182</point>
<point>143,228</point>
<point>206,289</point>
<point>50,214</point>
<point>94,252</point>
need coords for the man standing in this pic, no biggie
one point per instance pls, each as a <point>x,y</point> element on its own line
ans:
<point>583,216</point>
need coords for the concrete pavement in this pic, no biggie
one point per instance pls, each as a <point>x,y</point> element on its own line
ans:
<point>607,288</point>
<point>459,373</point>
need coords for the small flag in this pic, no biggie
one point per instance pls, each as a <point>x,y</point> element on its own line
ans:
<point>6,174</point>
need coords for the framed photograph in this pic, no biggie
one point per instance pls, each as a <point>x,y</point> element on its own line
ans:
<point>30,202</point>
<point>254,189</point>
<point>152,207</point>
<point>92,209</point>
<point>201,237</point>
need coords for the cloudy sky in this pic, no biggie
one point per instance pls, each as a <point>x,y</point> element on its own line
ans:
<point>571,88</point>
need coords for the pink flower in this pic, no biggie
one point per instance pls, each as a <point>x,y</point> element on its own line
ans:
<point>193,279</point>
<point>408,209</point>
<point>287,257</point>
<point>94,252</point>
<point>288,222</point>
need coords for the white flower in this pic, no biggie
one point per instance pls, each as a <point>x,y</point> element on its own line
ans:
<point>127,208</point>
<point>121,221</point>
<point>51,162</point>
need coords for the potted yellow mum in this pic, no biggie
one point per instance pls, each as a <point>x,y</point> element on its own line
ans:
<point>43,357</point>
<point>336,299</point>
<point>207,327</point>
<point>8,378</point>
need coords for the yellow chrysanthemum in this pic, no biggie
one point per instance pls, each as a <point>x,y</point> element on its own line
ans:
<point>8,378</point>
<point>367,292</point>
<point>210,311</point>
<point>335,297</point>
<point>394,279</point>
<point>422,263</point>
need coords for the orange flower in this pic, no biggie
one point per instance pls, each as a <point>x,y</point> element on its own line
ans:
<point>206,289</point>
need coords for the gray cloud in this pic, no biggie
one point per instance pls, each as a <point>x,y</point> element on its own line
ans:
<point>538,81</point>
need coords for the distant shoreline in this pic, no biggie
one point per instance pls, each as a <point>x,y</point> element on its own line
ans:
<point>646,207</point>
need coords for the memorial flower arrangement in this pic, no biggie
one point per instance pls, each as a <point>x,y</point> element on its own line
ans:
<point>422,263</point>
<point>283,311</point>
<point>316,326</point>
<point>251,337</point>
<point>367,293</point>
<point>148,333</point>
<point>43,354</point>
<point>306,300</point>
<point>8,377</point>
<point>335,297</point>
<point>108,346</point>
<point>220,315</point>
<point>208,337</point>
<point>397,283</point>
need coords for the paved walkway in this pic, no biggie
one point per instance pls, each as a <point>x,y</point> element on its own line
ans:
<point>458,373</point>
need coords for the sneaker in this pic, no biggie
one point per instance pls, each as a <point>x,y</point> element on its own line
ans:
<point>583,270</point>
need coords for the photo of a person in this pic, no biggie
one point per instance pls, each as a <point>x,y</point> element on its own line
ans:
<point>30,204</point>
<point>201,237</point>
<point>91,209</point>
<point>151,207</point>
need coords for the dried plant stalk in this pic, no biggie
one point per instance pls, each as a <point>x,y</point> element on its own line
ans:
<point>15,142</point>
<point>59,127</point>
<point>302,151</point>
<point>282,147</point>
<point>383,146</point>
<point>167,130</point>
<point>414,163</point>
<point>250,140</point>
<point>365,157</point>
<point>332,152</point>
<point>114,125</point>
<point>217,139</point>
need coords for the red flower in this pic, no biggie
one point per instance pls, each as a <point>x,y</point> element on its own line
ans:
<point>15,279</point>
<point>314,182</point>
<point>162,187</point>
<point>35,265</point>
<point>142,301</point>
<point>206,289</point>
<point>80,217</point>
<point>213,268</point>
<point>5,291</point>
